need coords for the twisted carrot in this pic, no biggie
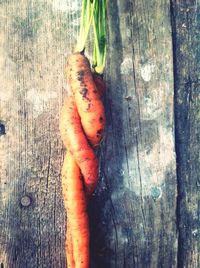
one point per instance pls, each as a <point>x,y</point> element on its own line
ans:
<point>82,123</point>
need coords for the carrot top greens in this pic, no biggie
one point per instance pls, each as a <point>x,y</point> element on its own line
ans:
<point>99,26</point>
<point>86,20</point>
<point>94,12</point>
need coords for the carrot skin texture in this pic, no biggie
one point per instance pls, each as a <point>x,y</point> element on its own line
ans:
<point>82,122</point>
<point>69,247</point>
<point>76,142</point>
<point>100,84</point>
<point>76,206</point>
<point>88,101</point>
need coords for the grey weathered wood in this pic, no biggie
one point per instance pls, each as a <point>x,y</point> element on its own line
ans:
<point>35,39</point>
<point>133,211</point>
<point>186,27</point>
<point>134,217</point>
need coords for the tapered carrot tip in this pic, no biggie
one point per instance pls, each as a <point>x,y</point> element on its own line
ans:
<point>77,246</point>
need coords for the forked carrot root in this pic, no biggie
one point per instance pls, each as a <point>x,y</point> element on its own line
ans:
<point>82,124</point>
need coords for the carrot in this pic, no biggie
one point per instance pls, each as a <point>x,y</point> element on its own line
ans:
<point>100,84</point>
<point>69,246</point>
<point>82,122</point>
<point>86,95</point>
<point>77,221</point>
<point>76,142</point>
<point>83,116</point>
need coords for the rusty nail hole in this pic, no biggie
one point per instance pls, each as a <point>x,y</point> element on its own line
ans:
<point>25,201</point>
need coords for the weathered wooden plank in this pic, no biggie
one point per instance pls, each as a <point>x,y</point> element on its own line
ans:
<point>35,39</point>
<point>134,211</point>
<point>186,27</point>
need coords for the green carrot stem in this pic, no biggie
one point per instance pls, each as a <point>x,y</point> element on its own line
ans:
<point>99,26</point>
<point>94,12</point>
<point>86,20</point>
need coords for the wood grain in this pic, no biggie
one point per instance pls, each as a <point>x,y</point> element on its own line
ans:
<point>34,46</point>
<point>186,25</point>
<point>133,211</point>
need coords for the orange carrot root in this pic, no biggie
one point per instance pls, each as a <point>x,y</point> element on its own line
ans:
<point>76,206</point>
<point>100,84</point>
<point>69,248</point>
<point>77,143</point>
<point>82,122</point>
<point>86,95</point>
